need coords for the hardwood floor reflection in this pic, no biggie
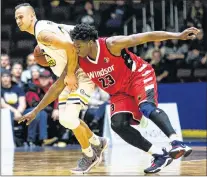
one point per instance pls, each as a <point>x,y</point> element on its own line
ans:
<point>58,162</point>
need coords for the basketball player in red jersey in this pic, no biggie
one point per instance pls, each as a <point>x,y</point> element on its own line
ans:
<point>131,83</point>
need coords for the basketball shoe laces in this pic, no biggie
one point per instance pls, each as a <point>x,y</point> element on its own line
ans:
<point>85,160</point>
<point>156,157</point>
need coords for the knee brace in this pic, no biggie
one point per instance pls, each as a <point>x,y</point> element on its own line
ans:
<point>147,108</point>
<point>120,121</point>
<point>70,118</point>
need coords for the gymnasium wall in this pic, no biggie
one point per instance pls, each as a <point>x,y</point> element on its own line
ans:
<point>191,99</point>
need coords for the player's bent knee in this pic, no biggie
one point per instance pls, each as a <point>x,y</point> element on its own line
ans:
<point>147,108</point>
<point>70,122</point>
<point>70,117</point>
<point>120,121</point>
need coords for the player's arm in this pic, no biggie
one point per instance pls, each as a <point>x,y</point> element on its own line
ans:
<point>117,43</point>
<point>49,38</point>
<point>50,96</point>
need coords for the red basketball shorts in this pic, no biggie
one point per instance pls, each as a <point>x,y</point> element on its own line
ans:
<point>139,90</point>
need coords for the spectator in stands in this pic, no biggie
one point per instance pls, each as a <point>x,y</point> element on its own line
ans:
<point>55,129</point>
<point>204,60</point>
<point>78,8</point>
<point>196,14</point>
<point>176,50</point>
<point>35,72</point>
<point>13,98</point>
<point>175,53</point>
<point>156,46</point>
<point>33,96</point>
<point>197,54</point>
<point>160,66</point>
<point>96,111</point>
<point>26,74</point>
<point>17,73</point>
<point>46,81</point>
<point>119,13</point>
<point>89,15</point>
<point>5,61</point>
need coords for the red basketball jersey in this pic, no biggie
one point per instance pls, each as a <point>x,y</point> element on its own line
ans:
<point>107,71</point>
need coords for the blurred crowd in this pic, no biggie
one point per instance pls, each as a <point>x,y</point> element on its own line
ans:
<point>22,90</point>
<point>24,83</point>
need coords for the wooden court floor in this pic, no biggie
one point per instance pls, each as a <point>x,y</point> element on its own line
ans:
<point>58,162</point>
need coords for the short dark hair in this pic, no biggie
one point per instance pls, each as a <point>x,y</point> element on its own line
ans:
<point>5,71</point>
<point>16,63</point>
<point>84,32</point>
<point>24,5</point>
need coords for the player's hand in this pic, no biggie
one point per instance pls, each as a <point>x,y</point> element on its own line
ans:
<point>29,117</point>
<point>189,33</point>
<point>71,82</point>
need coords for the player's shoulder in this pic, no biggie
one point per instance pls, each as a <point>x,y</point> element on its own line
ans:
<point>66,27</point>
<point>104,40</point>
<point>47,22</point>
<point>41,24</point>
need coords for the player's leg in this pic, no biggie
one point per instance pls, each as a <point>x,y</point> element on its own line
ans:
<point>69,118</point>
<point>123,109</point>
<point>161,119</point>
<point>146,98</point>
<point>99,144</point>
<point>71,121</point>
<point>85,89</point>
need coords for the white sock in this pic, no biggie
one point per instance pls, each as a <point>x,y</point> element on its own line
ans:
<point>155,150</point>
<point>95,140</point>
<point>174,137</point>
<point>88,151</point>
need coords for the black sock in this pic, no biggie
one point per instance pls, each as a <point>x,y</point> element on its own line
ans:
<point>161,119</point>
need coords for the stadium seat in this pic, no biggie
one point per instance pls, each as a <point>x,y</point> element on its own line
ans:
<point>6,46</point>
<point>20,52</point>
<point>39,12</point>
<point>200,74</point>
<point>18,35</point>
<point>184,75</point>
<point>60,13</point>
<point>8,16</point>
<point>5,32</point>
<point>17,59</point>
<point>25,44</point>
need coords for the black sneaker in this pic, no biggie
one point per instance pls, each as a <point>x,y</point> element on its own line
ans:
<point>159,162</point>
<point>179,149</point>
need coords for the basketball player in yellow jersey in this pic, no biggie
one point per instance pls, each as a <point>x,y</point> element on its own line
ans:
<point>60,53</point>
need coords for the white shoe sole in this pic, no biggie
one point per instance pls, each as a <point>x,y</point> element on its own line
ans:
<point>179,152</point>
